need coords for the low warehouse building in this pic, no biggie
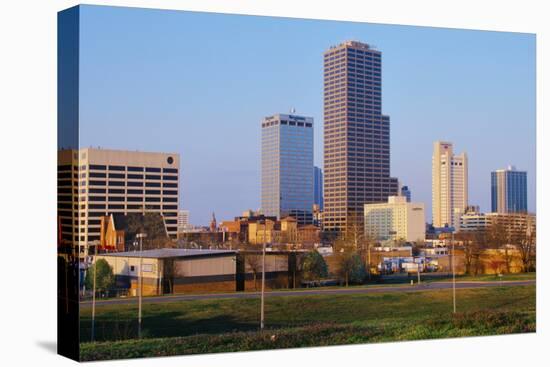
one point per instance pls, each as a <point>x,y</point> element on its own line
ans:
<point>173,270</point>
<point>169,270</point>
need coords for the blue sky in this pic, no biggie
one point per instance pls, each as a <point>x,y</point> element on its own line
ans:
<point>199,84</point>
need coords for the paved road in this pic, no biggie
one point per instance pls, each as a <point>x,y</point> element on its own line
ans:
<point>314,291</point>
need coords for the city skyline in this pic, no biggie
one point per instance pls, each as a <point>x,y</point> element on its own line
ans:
<point>126,90</point>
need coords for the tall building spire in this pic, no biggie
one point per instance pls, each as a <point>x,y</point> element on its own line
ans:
<point>213,224</point>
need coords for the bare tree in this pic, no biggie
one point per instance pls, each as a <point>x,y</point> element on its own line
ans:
<point>252,260</point>
<point>495,264</point>
<point>524,239</point>
<point>473,243</point>
<point>498,238</point>
<point>354,240</point>
<point>254,263</point>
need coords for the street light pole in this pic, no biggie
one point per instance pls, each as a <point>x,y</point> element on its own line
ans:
<point>140,279</point>
<point>263,290</point>
<point>93,296</point>
<point>418,272</point>
<point>454,277</point>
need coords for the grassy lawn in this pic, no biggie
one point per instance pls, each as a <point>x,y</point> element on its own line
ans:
<point>200,326</point>
<point>493,278</point>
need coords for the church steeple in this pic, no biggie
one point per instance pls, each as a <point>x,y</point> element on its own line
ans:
<point>213,224</point>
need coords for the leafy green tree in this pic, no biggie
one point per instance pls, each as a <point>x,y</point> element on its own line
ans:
<point>104,279</point>
<point>314,266</point>
<point>352,269</point>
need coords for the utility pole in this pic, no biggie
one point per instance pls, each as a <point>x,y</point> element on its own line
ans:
<point>454,278</point>
<point>141,236</point>
<point>93,295</point>
<point>418,272</point>
<point>263,290</point>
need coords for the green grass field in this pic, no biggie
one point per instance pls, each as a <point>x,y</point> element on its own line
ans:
<point>494,278</point>
<point>206,326</point>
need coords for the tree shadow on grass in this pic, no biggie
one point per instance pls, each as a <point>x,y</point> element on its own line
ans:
<point>169,324</point>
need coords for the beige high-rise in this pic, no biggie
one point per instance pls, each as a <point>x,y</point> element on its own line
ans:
<point>356,135</point>
<point>96,182</point>
<point>449,185</point>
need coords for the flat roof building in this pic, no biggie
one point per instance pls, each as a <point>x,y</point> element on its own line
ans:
<point>93,183</point>
<point>356,135</point>
<point>170,270</point>
<point>509,191</point>
<point>395,220</point>
<point>287,167</point>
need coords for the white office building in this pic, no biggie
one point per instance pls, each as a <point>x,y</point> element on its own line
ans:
<point>395,220</point>
<point>183,220</point>
<point>449,185</point>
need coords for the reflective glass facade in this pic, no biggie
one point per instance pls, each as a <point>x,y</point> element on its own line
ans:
<point>508,191</point>
<point>318,187</point>
<point>287,167</point>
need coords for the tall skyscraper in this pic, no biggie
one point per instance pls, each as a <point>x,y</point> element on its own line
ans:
<point>508,191</point>
<point>93,183</point>
<point>287,167</point>
<point>356,134</point>
<point>449,185</point>
<point>318,187</point>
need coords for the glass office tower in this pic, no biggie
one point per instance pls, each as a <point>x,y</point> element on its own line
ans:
<point>287,167</point>
<point>508,191</point>
<point>318,187</point>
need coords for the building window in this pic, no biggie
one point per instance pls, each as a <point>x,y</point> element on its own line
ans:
<point>98,167</point>
<point>97,183</point>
